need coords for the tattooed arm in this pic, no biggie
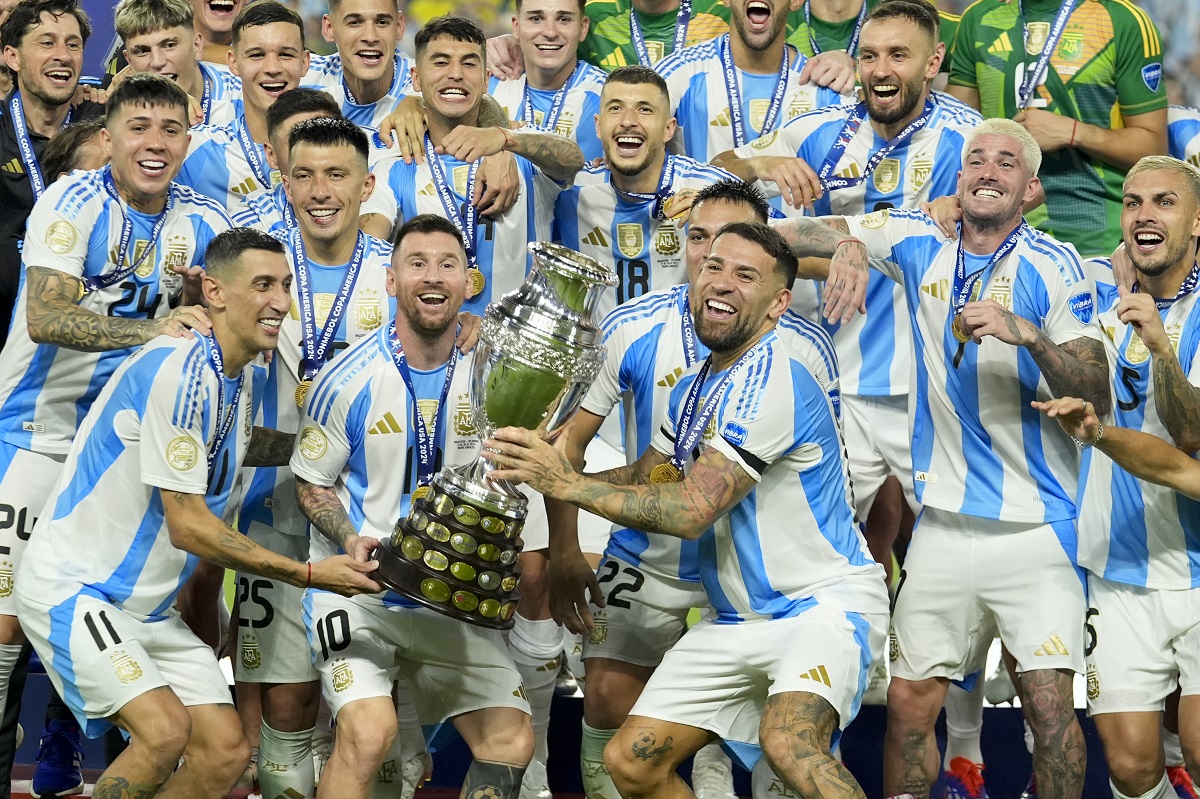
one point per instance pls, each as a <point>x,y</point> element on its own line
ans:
<point>828,252</point>
<point>54,317</point>
<point>322,507</point>
<point>269,448</point>
<point>557,156</point>
<point>194,529</point>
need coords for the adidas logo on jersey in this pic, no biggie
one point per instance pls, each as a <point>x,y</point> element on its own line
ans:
<point>1054,646</point>
<point>938,289</point>
<point>427,190</point>
<point>1001,46</point>
<point>613,60</point>
<point>596,238</point>
<point>387,424</point>
<point>851,172</point>
<point>245,187</point>
<point>818,674</point>
<point>14,167</point>
<point>722,120</point>
<point>672,378</point>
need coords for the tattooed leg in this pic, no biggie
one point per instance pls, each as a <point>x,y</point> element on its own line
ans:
<point>796,731</point>
<point>1059,751</point>
<point>643,756</point>
<point>910,755</point>
<point>159,727</point>
<point>486,780</point>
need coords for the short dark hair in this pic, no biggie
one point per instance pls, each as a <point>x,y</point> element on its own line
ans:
<point>145,88</point>
<point>460,29</point>
<point>329,132</point>
<point>224,251</point>
<point>428,223</point>
<point>732,190</point>
<point>770,241</point>
<point>921,13</point>
<point>636,74</point>
<point>62,152</point>
<point>300,101</point>
<point>265,12</point>
<point>27,15</point>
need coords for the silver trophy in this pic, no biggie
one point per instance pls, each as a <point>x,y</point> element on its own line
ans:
<point>539,351</point>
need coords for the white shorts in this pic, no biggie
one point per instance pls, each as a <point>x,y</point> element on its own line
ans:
<point>594,530</point>
<point>878,444</point>
<point>535,535</point>
<point>719,676</point>
<point>644,614</point>
<point>100,657</point>
<point>26,482</point>
<point>272,641</point>
<point>967,579</point>
<point>1142,642</point>
<point>361,647</point>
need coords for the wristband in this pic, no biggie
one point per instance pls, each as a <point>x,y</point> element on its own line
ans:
<point>1074,129</point>
<point>308,582</point>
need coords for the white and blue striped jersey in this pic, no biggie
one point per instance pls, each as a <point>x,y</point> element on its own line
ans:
<point>325,72</point>
<point>403,191</point>
<point>576,121</point>
<point>873,350</point>
<point>357,437</point>
<point>225,94</point>
<point>216,165</point>
<point>151,429</point>
<point>1132,531</point>
<point>45,390</point>
<point>271,493</point>
<point>700,102</point>
<point>646,358</point>
<point>263,210</point>
<point>977,446</point>
<point>792,541</point>
<point>1183,133</point>
<point>621,231</point>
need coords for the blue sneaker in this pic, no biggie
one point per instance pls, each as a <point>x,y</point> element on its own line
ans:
<point>59,761</point>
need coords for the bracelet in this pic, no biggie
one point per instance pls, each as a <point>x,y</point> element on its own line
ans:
<point>1074,129</point>
<point>508,142</point>
<point>1094,441</point>
<point>308,582</point>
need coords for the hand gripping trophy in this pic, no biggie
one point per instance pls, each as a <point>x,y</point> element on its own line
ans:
<point>539,351</point>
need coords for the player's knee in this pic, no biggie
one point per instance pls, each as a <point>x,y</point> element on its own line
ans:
<point>913,703</point>
<point>634,777</point>
<point>364,737</point>
<point>1050,706</point>
<point>10,631</point>
<point>163,736</point>
<point>604,708</point>
<point>514,745</point>
<point>291,706</point>
<point>1131,770</point>
<point>224,758</point>
<point>793,751</point>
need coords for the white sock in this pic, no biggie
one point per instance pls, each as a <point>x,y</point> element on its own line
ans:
<point>1171,747</point>
<point>9,655</point>
<point>573,649</point>
<point>964,722</point>
<point>387,777</point>
<point>596,782</point>
<point>1028,738</point>
<point>1163,790</point>
<point>536,647</point>
<point>409,732</point>
<point>285,764</point>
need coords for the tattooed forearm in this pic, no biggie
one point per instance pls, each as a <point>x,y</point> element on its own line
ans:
<point>1076,368</point>
<point>1178,402</point>
<point>269,448</point>
<point>326,512</point>
<point>796,732</point>
<point>1059,750</point>
<point>121,788</point>
<point>557,156</point>
<point>813,237</point>
<point>55,318</point>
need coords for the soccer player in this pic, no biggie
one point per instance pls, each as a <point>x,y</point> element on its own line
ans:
<point>650,582</point>
<point>623,212</point>
<point>43,49</point>
<point>215,21</point>
<point>1002,315</point>
<point>340,287</point>
<point>406,378</point>
<point>228,162</point>
<point>1133,535</point>
<point>742,85</point>
<point>159,36</point>
<point>755,473</point>
<point>78,146</point>
<point>1029,62</point>
<point>557,91</point>
<point>1183,133</point>
<point>450,73</point>
<point>366,76</point>
<point>96,593</point>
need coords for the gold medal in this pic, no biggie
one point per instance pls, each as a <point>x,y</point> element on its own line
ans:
<point>302,392</point>
<point>961,335</point>
<point>419,493</point>
<point>666,473</point>
<point>478,281</point>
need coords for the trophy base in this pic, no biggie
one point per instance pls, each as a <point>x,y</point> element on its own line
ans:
<point>456,552</point>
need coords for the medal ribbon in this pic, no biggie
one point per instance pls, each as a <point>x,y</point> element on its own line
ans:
<point>852,46</point>
<point>253,157</point>
<point>964,284</point>
<point>687,330</point>
<point>217,362</point>
<point>33,169</point>
<point>556,105</point>
<point>661,193</point>
<point>1034,76</point>
<point>468,225</point>
<point>426,445</point>
<point>830,182</point>
<point>104,281</point>
<point>206,95</point>
<point>692,422</point>
<point>682,19</point>
<point>285,208</point>
<point>1189,285</point>
<point>734,93</point>
<point>315,347</point>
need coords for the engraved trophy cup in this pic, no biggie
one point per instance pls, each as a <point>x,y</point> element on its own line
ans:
<point>539,351</point>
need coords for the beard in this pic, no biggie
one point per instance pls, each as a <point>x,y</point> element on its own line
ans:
<point>910,96</point>
<point>724,338</point>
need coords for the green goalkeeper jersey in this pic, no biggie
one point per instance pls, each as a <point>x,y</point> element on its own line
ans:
<point>609,44</point>
<point>1107,65</point>
<point>837,35</point>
